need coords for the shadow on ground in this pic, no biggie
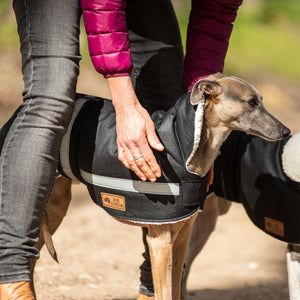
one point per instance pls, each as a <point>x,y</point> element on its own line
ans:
<point>277,291</point>
<point>274,291</point>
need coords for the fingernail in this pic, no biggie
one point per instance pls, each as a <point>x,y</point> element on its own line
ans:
<point>157,174</point>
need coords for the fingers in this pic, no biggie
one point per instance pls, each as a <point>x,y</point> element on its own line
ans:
<point>148,158</point>
<point>136,135</point>
<point>143,165</point>
<point>153,140</point>
<point>130,164</point>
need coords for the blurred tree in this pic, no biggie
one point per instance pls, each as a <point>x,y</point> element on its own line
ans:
<point>280,10</point>
<point>5,10</point>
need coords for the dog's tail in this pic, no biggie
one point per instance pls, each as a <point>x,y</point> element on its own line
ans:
<point>46,235</point>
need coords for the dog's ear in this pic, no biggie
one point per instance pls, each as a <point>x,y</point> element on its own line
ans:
<point>203,88</point>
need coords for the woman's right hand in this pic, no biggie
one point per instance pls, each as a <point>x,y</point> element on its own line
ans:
<point>135,131</point>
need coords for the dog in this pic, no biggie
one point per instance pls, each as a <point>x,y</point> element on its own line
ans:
<point>272,202</point>
<point>217,105</point>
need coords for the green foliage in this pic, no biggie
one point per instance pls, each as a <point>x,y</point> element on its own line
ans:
<point>265,38</point>
<point>272,47</point>
<point>2,4</point>
<point>182,13</point>
<point>8,36</point>
<point>8,28</point>
<point>277,10</point>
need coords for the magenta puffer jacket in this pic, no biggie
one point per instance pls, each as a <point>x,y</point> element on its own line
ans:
<point>209,30</point>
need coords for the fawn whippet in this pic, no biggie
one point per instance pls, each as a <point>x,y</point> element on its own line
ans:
<point>218,105</point>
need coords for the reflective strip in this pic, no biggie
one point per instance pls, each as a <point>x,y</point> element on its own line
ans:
<point>65,145</point>
<point>136,186</point>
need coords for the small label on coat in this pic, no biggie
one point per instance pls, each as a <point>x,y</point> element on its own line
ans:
<point>274,226</point>
<point>113,201</point>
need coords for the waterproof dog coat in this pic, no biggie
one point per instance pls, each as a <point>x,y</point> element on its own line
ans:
<point>89,154</point>
<point>250,171</point>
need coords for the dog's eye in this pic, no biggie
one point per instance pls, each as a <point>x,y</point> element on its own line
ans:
<point>252,102</point>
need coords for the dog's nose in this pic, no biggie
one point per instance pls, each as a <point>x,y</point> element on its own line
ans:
<point>285,132</point>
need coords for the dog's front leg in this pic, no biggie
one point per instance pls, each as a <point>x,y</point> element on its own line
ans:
<point>180,246</point>
<point>168,245</point>
<point>159,240</point>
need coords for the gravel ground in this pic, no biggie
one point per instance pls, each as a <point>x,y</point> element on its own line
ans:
<point>100,257</point>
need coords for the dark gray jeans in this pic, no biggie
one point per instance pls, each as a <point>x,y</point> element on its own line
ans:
<point>49,35</point>
<point>49,38</point>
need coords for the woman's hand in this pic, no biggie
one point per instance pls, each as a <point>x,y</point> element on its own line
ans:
<point>135,131</point>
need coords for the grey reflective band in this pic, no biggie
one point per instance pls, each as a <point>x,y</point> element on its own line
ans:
<point>136,186</point>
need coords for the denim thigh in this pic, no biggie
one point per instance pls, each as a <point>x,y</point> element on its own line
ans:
<point>157,52</point>
<point>49,39</point>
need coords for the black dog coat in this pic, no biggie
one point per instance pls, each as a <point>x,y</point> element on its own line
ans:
<point>89,153</point>
<point>250,171</point>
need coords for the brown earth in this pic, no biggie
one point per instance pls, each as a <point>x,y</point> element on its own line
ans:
<point>100,258</point>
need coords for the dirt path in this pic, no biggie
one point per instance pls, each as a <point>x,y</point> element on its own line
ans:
<point>99,259</point>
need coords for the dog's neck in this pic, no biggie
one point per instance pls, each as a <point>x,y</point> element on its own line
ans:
<point>212,139</point>
<point>213,135</point>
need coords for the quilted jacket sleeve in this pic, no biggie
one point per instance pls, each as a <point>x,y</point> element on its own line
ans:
<point>108,41</point>
<point>209,30</point>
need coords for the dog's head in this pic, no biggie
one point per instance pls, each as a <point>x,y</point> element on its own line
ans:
<point>235,104</point>
<point>227,103</point>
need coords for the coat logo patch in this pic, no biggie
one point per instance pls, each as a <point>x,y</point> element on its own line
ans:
<point>113,201</point>
<point>274,226</point>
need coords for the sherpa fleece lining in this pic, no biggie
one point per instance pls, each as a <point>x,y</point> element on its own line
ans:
<point>291,159</point>
<point>198,123</point>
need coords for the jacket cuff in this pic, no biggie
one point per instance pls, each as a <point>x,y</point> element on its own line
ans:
<point>117,74</point>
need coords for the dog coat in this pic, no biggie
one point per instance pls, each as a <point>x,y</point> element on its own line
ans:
<point>89,154</point>
<point>250,171</point>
